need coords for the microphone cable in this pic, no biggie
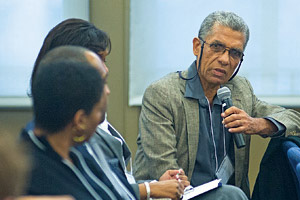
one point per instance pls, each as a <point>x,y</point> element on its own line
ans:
<point>237,70</point>
<point>186,79</point>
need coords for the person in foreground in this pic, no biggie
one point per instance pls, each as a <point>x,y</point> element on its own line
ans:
<point>82,33</point>
<point>14,168</point>
<point>69,101</point>
<point>183,123</point>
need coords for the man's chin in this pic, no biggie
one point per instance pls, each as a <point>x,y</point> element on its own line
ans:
<point>218,81</point>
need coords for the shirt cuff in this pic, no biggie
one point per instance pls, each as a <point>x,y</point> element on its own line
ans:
<point>280,127</point>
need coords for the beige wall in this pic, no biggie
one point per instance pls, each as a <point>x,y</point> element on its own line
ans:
<point>112,16</point>
<point>12,121</point>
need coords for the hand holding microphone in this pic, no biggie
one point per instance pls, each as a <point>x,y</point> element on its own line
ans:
<point>224,95</point>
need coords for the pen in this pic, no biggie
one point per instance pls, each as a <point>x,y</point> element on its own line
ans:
<point>179,173</point>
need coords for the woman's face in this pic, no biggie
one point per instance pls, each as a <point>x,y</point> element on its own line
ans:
<point>103,54</point>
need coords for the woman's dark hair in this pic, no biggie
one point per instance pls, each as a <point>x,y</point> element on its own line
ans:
<point>76,32</point>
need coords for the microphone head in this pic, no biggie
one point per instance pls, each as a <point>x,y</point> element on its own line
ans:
<point>224,93</point>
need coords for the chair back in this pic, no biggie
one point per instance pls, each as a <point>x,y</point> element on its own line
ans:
<point>292,151</point>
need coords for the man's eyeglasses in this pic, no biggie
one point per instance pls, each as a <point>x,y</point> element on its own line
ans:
<point>221,48</point>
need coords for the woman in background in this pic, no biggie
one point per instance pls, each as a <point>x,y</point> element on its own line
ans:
<point>82,33</point>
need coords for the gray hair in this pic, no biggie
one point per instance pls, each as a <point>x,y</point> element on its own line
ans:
<point>224,18</point>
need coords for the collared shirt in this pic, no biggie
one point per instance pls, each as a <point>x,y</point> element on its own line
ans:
<point>213,138</point>
<point>212,147</point>
<point>87,175</point>
<point>54,175</point>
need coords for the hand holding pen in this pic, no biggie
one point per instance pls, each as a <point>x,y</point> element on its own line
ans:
<point>177,174</point>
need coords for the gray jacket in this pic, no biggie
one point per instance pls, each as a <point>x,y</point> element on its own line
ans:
<point>169,128</point>
<point>113,149</point>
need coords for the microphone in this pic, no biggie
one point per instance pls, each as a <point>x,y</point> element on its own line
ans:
<point>224,94</point>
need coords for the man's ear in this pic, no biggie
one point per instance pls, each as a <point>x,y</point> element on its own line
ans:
<point>80,120</point>
<point>196,46</point>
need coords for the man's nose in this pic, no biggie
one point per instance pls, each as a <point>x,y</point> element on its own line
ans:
<point>225,57</point>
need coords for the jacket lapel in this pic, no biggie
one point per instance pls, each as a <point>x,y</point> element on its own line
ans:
<point>126,150</point>
<point>113,144</point>
<point>191,108</point>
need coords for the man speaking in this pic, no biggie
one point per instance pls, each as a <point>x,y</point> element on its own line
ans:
<point>184,124</point>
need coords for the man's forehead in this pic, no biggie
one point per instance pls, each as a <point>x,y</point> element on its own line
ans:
<point>224,34</point>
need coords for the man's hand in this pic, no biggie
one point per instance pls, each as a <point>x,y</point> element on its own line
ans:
<point>238,121</point>
<point>172,189</point>
<point>175,174</point>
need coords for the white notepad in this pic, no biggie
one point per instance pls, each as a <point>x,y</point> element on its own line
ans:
<point>191,192</point>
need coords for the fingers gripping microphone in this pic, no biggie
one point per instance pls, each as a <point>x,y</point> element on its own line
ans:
<point>224,95</point>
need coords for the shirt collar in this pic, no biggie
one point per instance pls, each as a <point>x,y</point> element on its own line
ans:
<point>193,87</point>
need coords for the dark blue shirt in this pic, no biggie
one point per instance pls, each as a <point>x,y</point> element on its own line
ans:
<point>214,140</point>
